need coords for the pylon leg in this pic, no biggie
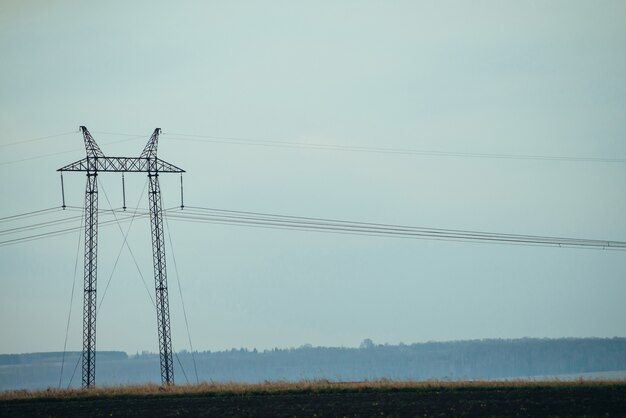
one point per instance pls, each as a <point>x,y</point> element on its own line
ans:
<point>89,300</point>
<point>160,281</point>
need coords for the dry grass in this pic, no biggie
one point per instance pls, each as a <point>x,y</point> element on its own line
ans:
<point>302,386</point>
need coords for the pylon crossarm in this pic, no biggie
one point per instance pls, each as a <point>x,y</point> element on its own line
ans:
<point>122,164</point>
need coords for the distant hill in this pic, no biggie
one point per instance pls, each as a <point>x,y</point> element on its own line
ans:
<point>55,356</point>
<point>456,360</point>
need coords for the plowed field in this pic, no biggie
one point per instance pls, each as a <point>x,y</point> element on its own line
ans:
<point>582,400</point>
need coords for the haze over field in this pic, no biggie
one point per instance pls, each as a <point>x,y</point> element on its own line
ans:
<point>448,79</point>
<point>529,359</point>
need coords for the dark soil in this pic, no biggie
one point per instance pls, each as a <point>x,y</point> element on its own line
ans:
<point>572,401</point>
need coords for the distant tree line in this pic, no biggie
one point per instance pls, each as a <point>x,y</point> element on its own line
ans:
<point>478,359</point>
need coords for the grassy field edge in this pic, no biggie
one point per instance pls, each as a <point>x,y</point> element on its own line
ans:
<point>304,387</point>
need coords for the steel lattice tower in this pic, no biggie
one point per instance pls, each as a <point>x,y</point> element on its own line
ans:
<point>147,162</point>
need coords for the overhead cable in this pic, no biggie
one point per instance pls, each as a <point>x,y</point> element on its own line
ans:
<point>299,144</point>
<point>256,219</point>
<point>381,150</point>
<point>198,214</point>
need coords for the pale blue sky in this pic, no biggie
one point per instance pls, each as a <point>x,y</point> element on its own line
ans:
<point>534,78</point>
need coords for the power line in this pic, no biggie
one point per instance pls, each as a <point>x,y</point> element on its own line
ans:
<point>377,229</point>
<point>256,219</point>
<point>64,231</point>
<point>381,150</point>
<point>38,225</point>
<point>29,214</point>
<point>293,144</point>
<point>275,221</point>
<point>41,138</point>
<point>37,157</point>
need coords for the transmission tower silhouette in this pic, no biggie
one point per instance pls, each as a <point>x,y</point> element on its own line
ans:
<point>94,163</point>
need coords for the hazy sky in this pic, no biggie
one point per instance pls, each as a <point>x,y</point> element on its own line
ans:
<point>524,78</point>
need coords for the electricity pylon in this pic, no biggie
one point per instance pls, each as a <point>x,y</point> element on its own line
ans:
<point>147,162</point>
